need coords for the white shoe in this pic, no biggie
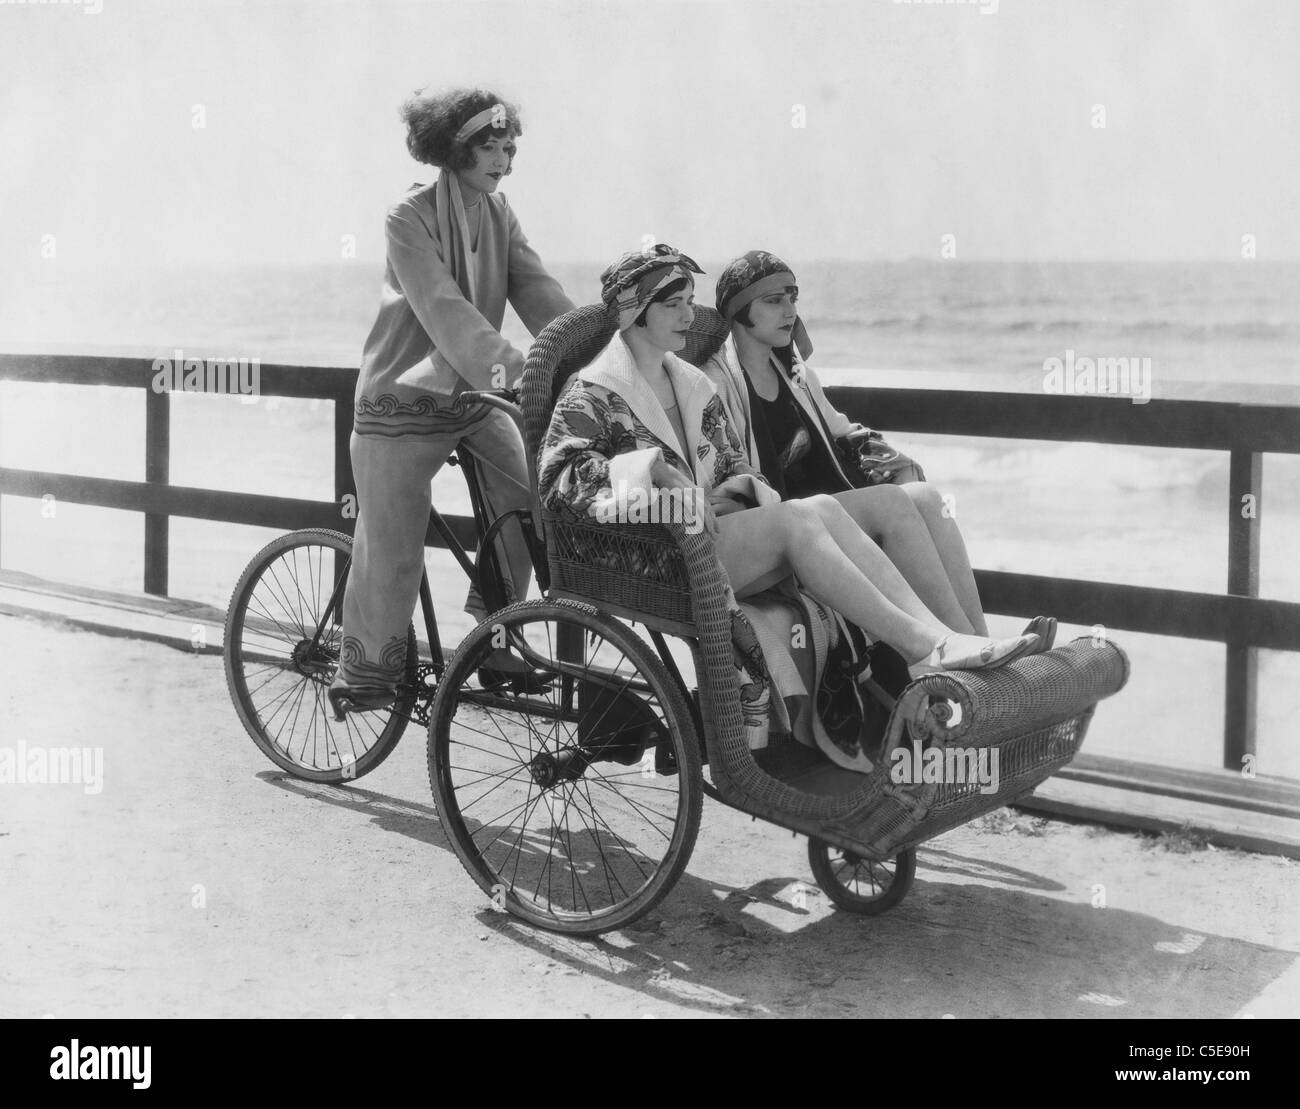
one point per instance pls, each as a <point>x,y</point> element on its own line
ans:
<point>974,652</point>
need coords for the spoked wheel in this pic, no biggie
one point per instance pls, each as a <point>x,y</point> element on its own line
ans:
<point>860,885</point>
<point>279,668</point>
<point>575,808</point>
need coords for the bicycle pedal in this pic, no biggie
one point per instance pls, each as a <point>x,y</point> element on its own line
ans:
<point>344,702</point>
<point>341,703</point>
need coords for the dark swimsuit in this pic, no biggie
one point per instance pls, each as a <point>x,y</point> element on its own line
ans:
<point>775,423</point>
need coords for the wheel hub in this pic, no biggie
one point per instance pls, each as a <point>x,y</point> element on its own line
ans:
<point>550,769</point>
<point>319,662</point>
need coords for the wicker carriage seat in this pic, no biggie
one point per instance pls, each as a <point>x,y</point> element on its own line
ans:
<point>1024,720</point>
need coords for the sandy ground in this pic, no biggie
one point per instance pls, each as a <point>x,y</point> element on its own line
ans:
<point>202,882</point>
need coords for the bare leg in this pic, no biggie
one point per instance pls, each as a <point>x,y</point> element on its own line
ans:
<point>838,570</point>
<point>757,544</point>
<point>872,561</point>
<point>890,517</point>
<point>951,547</point>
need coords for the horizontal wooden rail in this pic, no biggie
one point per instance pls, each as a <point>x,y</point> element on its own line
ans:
<point>324,382</point>
<point>257,509</point>
<point>1273,625</point>
<point>1189,424</point>
<point>1274,796</point>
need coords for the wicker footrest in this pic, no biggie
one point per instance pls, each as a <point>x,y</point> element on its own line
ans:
<point>965,743</point>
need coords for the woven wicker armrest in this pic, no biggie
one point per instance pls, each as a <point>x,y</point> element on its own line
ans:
<point>636,567</point>
<point>983,707</point>
<point>1030,715</point>
<point>665,572</point>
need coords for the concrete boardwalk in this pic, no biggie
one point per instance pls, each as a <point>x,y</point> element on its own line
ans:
<point>200,881</point>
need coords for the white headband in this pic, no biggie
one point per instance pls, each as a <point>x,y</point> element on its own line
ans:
<point>478,122</point>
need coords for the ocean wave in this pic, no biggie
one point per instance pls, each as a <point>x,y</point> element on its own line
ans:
<point>1163,329</point>
<point>1262,330</point>
<point>1061,466</point>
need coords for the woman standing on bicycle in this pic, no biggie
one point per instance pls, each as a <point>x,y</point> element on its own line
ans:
<point>456,254</point>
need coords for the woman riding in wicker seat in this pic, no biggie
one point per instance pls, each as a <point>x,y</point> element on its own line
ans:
<point>640,422</point>
<point>803,445</point>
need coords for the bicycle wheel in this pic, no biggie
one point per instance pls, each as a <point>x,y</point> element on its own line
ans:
<point>861,885</point>
<point>575,808</point>
<point>279,682</point>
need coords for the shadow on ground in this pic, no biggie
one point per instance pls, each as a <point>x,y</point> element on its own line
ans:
<point>974,938</point>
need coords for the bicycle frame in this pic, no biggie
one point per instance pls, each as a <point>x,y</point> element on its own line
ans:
<point>484,572</point>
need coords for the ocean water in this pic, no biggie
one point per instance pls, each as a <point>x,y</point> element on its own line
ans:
<point>1225,330</point>
<point>1140,516</point>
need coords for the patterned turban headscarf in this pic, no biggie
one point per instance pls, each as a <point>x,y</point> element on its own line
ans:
<point>756,274</point>
<point>631,283</point>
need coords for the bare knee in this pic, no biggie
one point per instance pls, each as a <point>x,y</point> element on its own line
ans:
<point>825,508</point>
<point>891,512</point>
<point>926,497</point>
<point>894,499</point>
<point>804,518</point>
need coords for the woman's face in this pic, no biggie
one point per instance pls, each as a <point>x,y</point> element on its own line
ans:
<point>492,160</point>
<point>667,322</point>
<point>774,316</point>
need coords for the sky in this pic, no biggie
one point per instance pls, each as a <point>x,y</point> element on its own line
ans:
<point>679,121</point>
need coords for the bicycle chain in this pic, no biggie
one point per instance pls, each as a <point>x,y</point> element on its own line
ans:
<point>425,691</point>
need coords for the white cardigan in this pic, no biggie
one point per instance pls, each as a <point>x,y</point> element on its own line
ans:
<point>728,377</point>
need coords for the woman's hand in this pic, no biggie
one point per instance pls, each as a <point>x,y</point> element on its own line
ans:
<point>724,505</point>
<point>665,476</point>
<point>704,513</point>
<point>689,506</point>
<point>693,502</point>
<point>796,450</point>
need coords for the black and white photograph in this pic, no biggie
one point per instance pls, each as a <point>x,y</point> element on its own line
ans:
<point>650,509</point>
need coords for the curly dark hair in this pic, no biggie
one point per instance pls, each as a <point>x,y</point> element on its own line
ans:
<point>433,118</point>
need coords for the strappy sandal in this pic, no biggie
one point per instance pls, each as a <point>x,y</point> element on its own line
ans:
<point>984,659</point>
<point>1045,628</point>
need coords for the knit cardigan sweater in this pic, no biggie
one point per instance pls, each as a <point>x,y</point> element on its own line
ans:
<point>430,342</point>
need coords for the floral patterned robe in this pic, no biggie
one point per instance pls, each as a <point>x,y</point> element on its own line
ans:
<point>606,432</point>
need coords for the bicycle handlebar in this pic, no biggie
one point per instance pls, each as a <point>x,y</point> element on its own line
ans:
<point>506,400</point>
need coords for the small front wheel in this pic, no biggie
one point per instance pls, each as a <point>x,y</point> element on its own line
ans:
<point>574,806</point>
<point>860,885</point>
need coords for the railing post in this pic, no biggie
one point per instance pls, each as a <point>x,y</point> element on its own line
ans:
<point>1245,479</point>
<point>157,470</point>
<point>344,483</point>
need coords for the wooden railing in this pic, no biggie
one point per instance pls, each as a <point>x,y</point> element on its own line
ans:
<point>156,497</point>
<point>1238,617</point>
